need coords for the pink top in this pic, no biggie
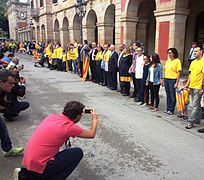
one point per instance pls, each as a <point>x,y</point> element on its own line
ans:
<point>45,142</point>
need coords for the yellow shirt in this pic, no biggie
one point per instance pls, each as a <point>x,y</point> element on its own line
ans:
<point>47,51</point>
<point>99,56</point>
<point>171,68</point>
<point>64,57</point>
<point>73,54</point>
<point>197,70</point>
<point>54,54</point>
<point>59,53</point>
<point>106,55</point>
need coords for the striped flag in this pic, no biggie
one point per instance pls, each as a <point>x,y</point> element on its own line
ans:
<point>180,97</point>
<point>85,64</point>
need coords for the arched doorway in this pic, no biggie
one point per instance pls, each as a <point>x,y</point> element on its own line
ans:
<point>56,31</point>
<point>43,33</point>
<point>65,32</point>
<point>194,25</point>
<point>199,30</point>
<point>38,33</point>
<point>109,24</point>
<point>91,26</point>
<point>76,29</point>
<point>146,26</point>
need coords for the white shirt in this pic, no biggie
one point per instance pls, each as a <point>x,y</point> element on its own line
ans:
<point>151,78</point>
<point>139,67</point>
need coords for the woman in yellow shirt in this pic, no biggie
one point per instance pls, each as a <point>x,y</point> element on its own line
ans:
<point>73,55</point>
<point>172,70</point>
<point>98,58</point>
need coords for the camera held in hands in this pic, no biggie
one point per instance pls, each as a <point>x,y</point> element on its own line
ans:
<point>88,110</point>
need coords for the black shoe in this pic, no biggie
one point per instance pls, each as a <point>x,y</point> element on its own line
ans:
<point>113,89</point>
<point>132,96</point>
<point>136,100</point>
<point>201,130</point>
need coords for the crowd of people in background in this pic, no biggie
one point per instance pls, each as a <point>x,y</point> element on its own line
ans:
<point>103,65</point>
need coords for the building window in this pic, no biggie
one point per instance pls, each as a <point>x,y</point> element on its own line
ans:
<point>54,1</point>
<point>41,3</point>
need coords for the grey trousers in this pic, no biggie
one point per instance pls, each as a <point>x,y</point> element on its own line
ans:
<point>195,114</point>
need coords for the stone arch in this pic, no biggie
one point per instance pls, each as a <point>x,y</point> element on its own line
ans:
<point>91,26</point>
<point>194,25</point>
<point>38,34</point>
<point>76,29</point>
<point>109,24</point>
<point>65,32</point>
<point>146,25</point>
<point>43,34</point>
<point>56,31</point>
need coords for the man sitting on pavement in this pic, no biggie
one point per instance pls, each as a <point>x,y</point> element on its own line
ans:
<point>42,158</point>
<point>6,84</point>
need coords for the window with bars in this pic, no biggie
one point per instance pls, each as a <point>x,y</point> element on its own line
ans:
<point>41,3</point>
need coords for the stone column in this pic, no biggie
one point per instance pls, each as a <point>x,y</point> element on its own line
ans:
<point>176,18</point>
<point>64,36</point>
<point>129,30</point>
<point>101,33</point>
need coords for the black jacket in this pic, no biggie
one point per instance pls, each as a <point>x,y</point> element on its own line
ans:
<point>113,62</point>
<point>17,91</point>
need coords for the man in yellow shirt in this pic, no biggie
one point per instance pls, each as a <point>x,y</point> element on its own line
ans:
<point>59,57</point>
<point>195,83</point>
<point>73,55</point>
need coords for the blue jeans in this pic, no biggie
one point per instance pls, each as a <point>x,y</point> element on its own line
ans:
<point>6,144</point>
<point>170,94</point>
<point>195,114</point>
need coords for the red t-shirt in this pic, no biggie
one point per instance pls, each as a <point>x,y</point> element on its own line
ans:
<point>45,142</point>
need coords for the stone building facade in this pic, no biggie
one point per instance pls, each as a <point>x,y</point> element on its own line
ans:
<point>19,20</point>
<point>158,23</point>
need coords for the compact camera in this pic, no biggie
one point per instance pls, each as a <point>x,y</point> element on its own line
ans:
<point>88,110</point>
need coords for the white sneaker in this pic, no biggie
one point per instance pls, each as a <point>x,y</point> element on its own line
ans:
<point>144,105</point>
<point>16,173</point>
<point>139,103</point>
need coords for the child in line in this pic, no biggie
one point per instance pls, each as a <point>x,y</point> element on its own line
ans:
<point>145,87</point>
<point>183,100</point>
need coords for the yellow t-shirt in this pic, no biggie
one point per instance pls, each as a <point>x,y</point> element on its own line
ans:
<point>99,56</point>
<point>73,54</point>
<point>64,57</point>
<point>59,53</point>
<point>48,52</point>
<point>171,68</point>
<point>197,70</point>
<point>106,55</point>
<point>54,54</point>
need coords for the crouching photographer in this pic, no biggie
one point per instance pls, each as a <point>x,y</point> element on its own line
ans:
<point>14,107</point>
<point>42,158</point>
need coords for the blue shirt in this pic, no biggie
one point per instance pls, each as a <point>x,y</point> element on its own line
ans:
<point>6,59</point>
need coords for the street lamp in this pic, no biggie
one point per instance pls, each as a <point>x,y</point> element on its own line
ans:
<point>80,8</point>
<point>31,30</point>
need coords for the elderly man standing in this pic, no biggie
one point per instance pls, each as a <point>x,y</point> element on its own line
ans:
<point>92,56</point>
<point>112,68</point>
<point>195,83</point>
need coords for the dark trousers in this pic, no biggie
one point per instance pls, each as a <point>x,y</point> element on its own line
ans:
<point>98,72</point>
<point>154,90</point>
<point>139,84</point>
<point>81,68</point>
<point>125,87</point>
<point>107,78</point>
<point>14,108</point>
<point>6,144</point>
<point>135,85</point>
<point>59,67</point>
<point>48,63</point>
<point>70,65</point>
<point>145,94</point>
<point>60,168</point>
<point>54,63</point>
<point>170,94</point>
<point>64,66</point>
<point>93,70</point>
<point>113,79</point>
<point>105,83</point>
